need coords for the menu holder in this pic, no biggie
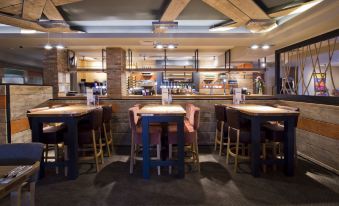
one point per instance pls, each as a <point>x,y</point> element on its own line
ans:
<point>237,96</point>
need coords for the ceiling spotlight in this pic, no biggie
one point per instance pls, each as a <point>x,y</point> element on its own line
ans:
<point>159,46</point>
<point>265,46</point>
<point>60,46</point>
<point>48,47</point>
<point>27,31</point>
<point>171,46</point>
<point>254,46</point>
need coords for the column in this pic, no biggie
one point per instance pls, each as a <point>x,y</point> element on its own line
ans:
<point>55,62</point>
<point>116,75</point>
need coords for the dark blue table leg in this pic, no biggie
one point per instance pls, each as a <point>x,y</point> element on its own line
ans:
<point>181,147</point>
<point>255,146</point>
<point>289,144</point>
<point>72,146</point>
<point>145,151</point>
<point>36,127</point>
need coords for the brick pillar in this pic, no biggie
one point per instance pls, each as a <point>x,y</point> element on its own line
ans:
<point>55,61</point>
<point>116,77</point>
<point>2,74</point>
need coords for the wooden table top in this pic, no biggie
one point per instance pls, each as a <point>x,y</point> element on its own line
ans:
<point>161,110</point>
<point>261,110</point>
<point>13,184</point>
<point>66,111</point>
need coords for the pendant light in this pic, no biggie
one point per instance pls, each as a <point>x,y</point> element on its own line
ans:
<point>48,46</point>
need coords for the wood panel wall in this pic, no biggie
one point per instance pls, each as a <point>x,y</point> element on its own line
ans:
<point>318,133</point>
<point>3,120</point>
<point>23,98</point>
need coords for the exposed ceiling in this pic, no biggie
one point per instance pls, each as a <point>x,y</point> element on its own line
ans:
<point>128,24</point>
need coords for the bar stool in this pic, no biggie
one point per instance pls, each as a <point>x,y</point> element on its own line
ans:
<point>191,126</point>
<point>136,137</point>
<point>52,138</point>
<point>275,134</point>
<point>221,128</point>
<point>89,138</point>
<point>239,133</point>
<point>107,129</point>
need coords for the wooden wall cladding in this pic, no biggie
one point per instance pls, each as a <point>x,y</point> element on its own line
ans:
<point>19,125</point>
<point>2,102</point>
<point>319,127</point>
<point>23,98</point>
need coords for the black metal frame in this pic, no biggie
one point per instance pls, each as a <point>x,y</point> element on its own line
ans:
<point>196,60</point>
<point>8,114</point>
<point>313,40</point>
<point>228,60</point>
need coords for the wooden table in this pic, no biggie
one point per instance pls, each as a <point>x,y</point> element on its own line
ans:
<point>70,115</point>
<point>162,114</point>
<point>258,114</point>
<point>16,183</point>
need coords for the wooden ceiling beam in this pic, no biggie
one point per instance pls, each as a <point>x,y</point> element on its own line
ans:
<point>63,2</point>
<point>25,24</point>
<point>174,9</point>
<point>51,12</point>
<point>15,9</point>
<point>250,8</point>
<point>6,3</point>
<point>283,12</point>
<point>32,9</point>
<point>228,9</point>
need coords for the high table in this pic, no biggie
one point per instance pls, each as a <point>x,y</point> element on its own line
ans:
<point>258,114</point>
<point>162,114</point>
<point>70,115</point>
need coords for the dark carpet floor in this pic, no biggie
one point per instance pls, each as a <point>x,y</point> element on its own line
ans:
<point>215,185</point>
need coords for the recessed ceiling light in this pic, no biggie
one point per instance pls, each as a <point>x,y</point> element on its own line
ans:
<point>254,46</point>
<point>265,46</point>
<point>48,47</point>
<point>60,46</point>
<point>159,46</point>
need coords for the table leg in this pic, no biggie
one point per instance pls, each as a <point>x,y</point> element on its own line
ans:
<point>181,148</point>
<point>72,147</point>
<point>36,127</point>
<point>145,144</point>
<point>255,146</point>
<point>289,144</point>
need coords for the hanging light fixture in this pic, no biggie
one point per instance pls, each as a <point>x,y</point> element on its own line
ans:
<point>48,46</point>
<point>60,46</point>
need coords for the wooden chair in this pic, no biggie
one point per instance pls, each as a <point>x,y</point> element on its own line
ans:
<point>191,126</point>
<point>221,128</point>
<point>52,138</point>
<point>239,134</point>
<point>106,130</point>
<point>136,137</point>
<point>89,134</point>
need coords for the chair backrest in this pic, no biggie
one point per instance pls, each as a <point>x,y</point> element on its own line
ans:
<point>107,113</point>
<point>220,112</point>
<point>233,118</point>
<point>133,117</point>
<point>96,119</point>
<point>188,109</point>
<point>21,154</point>
<point>193,115</point>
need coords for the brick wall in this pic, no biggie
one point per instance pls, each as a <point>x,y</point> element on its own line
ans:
<point>116,79</point>
<point>55,61</point>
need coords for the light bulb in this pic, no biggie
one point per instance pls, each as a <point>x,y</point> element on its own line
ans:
<point>254,46</point>
<point>159,46</point>
<point>171,46</point>
<point>265,46</point>
<point>60,46</point>
<point>48,46</point>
